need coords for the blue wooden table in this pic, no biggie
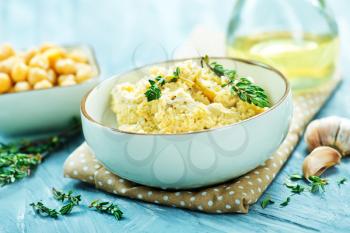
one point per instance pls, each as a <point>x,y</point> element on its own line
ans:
<point>128,33</point>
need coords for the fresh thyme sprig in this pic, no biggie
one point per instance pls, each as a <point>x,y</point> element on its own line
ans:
<point>71,200</point>
<point>250,93</point>
<point>61,196</point>
<point>154,92</point>
<point>19,158</point>
<point>42,210</point>
<point>15,166</point>
<point>240,86</point>
<point>107,207</point>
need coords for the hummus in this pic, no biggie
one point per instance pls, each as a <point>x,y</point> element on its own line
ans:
<point>195,100</point>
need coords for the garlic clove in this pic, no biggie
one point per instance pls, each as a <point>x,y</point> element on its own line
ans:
<point>342,141</point>
<point>311,137</point>
<point>323,132</point>
<point>319,160</point>
<point>329,130</point>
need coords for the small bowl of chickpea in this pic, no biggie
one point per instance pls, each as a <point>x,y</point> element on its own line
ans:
<point>41,88</point>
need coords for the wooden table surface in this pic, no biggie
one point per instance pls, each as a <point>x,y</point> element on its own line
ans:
<point>128,33</point>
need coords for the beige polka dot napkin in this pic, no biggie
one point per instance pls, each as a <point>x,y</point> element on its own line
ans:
<point>233,196</point>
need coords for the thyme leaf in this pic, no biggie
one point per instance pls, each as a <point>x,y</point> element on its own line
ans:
<point>295,177</point>
<point>342,181</point>
<point>286,202</point>
<point>176,75</point>
<point>317,184</point>
<point>160,80</point>
<point>153,92</point>
<point>267,201</point>
<point>66,209</point>
<point>295,188</point>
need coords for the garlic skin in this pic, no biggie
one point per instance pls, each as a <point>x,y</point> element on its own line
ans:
<point>331,131</point>
<point>319,160</point>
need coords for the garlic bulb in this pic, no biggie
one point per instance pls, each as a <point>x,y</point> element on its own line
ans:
<point>330,131</point>
<point>319,160</point>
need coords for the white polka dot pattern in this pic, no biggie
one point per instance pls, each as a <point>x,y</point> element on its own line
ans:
<point>233,196</point>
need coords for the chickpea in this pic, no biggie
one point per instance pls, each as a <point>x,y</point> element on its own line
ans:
<point>53,54</point>
<point>36,75</point>
<point>27,56</point>
<point>39,61</point>
<point>43,84</point>
<point>63,77</point>
<point>7,64</point>
<point>22,86</point>
<point>65,66</point>
<point>20,57</point>
<point>66,80</point>
<point>78,56</point>
<point>6,51</point>
<point>19,72</point>
<point>47,45</point>
<point>5,83</point>
<point>42,67</point>
<point>84,73</point>
<point>52,76</point>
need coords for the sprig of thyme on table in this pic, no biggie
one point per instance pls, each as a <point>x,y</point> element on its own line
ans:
<point>42,210</point>
<point>72,201</point>
<point>19,158</point>
<point>246,90</point>
<point>107,207</point>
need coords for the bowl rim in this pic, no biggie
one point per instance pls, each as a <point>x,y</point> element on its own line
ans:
<point>96,77</point>
<point>250,62</point>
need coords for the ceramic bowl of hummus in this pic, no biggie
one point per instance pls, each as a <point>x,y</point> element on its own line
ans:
<point>187,123</point>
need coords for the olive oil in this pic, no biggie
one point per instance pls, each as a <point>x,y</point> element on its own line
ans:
<point>307,60</point>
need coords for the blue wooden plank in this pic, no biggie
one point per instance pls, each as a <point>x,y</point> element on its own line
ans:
<point>115,29</point>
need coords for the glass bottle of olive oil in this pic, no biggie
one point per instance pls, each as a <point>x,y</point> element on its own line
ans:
<point>301,41</point>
